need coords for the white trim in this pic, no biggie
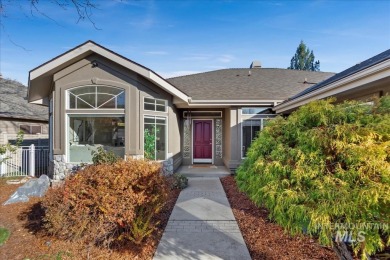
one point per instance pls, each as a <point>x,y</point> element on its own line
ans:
<point>43,101</point>
<point>212,143</point>
<point>67,143</point>
<point>68,92</point>
<point>224,103</point>
<point>207,116</point>
<point>203,160</point>
<point>155,104</point>
<point>235,101</point>
<point>89,48</point>
<point>360,78</point>
<point>93,112</point>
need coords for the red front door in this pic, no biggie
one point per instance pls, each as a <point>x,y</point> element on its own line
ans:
<point>203,141</point>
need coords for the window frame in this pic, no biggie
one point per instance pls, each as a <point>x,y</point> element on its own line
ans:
<point>166,134</point>
<point>98,112</point>
<point>106,115</point>
<point>265,108</point>
<point>30,128</point>
<point>155,104</point>
<point>242,131</point>
<point>96,93</point>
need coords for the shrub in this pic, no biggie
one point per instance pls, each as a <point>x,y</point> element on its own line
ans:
<point>107,203</point>
<point>325,164</point>
<point>101,156</point>
<point>178,181</point>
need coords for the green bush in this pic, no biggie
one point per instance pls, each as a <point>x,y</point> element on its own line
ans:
<point>107,203</point>
<point>101,156</point>
<point>324,165</point>
<point>178,181</point>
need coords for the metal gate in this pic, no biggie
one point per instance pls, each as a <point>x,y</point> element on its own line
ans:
<point>25,161</point>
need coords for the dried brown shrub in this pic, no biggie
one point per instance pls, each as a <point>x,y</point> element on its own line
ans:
<point>106,204</point>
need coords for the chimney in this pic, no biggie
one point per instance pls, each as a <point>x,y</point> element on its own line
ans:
<point>255,64</point>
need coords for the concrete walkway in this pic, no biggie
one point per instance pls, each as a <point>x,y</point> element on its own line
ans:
<point>202,171</point>
<point>202,225</point>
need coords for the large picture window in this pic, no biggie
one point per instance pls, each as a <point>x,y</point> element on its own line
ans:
<point>155,138</point>
<point>250,130</point>
<point>88,132</point>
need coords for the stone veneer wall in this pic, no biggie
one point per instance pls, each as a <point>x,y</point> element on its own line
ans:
<point>59,168</point>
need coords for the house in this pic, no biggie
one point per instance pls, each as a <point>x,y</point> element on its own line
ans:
<point>365,81</point>
<point>16,114</point>
<point>98,98</point>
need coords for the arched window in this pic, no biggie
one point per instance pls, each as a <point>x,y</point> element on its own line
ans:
<point>90,126</point>
<point>96,97</point>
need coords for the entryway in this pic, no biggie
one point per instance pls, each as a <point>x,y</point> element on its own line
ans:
<point>203,141</point>
<point>203,171</point>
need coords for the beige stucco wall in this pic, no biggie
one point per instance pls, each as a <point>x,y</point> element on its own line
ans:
<point>226,138</point>
<point>136,88</point>
<point>12,126</point>
<point>235,139</point>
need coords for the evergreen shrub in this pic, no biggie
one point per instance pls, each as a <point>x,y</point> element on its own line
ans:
<point>323,169</point>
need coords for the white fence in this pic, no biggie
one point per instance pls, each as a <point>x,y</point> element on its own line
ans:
<point>26,160</point>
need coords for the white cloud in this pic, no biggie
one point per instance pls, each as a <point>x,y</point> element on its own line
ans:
<point>226,58</point>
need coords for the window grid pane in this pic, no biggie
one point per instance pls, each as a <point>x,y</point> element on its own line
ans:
<point>157,105</point>
<point>96,97</point>
<point>155,142</point>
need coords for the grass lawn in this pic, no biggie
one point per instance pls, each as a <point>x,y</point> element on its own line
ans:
<point>4,235</point>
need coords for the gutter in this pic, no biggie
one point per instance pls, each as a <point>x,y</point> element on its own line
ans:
<point>368,75</point>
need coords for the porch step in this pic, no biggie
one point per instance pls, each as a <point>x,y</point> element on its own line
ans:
<point>212,171</point>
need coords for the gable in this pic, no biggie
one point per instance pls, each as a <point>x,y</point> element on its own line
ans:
<point>41,78</point>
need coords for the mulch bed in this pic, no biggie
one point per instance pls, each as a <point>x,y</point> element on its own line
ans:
<point>27,240</point>
<point>265,239</point>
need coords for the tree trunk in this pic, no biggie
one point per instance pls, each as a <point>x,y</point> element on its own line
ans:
<point>342,251</point>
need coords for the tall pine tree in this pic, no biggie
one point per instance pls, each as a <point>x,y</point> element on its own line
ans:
<point>304,59</point>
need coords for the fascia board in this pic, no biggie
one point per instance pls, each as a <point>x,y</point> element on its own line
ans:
<point>92,48</point>
<point>376,72</point>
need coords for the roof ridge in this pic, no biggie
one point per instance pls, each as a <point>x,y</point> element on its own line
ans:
<point>253,69</point>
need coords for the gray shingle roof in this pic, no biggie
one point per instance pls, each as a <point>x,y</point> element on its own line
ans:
<point>352,70</point>
<point>13,103</point>
<point>261,84</point>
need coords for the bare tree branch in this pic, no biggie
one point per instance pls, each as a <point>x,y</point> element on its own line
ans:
<point>10,39</point>
<point>84,10</point>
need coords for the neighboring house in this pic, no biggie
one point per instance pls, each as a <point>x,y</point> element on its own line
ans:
<point>99,98</point>
<point>365,81</point>
<point>16,114</point>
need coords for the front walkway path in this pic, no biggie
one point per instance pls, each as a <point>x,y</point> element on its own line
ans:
<point>202,225</point>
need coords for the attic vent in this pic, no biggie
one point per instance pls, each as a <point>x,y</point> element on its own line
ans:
<point>255,64</point>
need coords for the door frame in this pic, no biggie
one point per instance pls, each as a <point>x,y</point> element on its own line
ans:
<point>212,136</point>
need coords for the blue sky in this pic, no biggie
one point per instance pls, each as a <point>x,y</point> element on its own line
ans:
<point>183,37</point>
